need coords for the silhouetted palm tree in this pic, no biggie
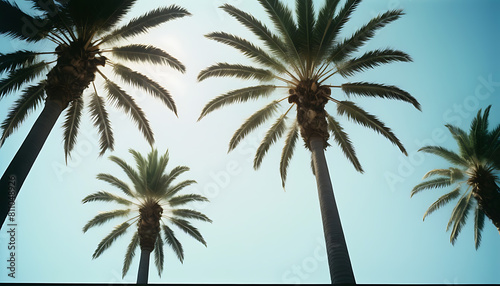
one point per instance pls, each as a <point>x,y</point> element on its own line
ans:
<point>473,176</point>
<point>304,54</point>
<point>155,197</point>
<point>82,32</point>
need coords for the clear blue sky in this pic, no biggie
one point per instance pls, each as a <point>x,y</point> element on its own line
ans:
<point>260,233</point>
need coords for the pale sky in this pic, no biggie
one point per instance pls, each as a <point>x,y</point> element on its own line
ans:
<point>260,233</point>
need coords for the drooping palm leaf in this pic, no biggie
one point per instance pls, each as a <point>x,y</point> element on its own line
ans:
<point>272,135</point>
<point>13,23</point>
<point>361,117</point>
<point>187,213</point>
<point>344,142</point>
<point>147,54</point>
<point>443,200</point>
<point>103,196</point>
<point>71,125</point>
<point>141,81</point>
<point>100,119</point>
<point>188,228</point>
<point>129,255</point>
<point>431,184</point>
<point>478,226</point>
<point>446,154</point>
<point>370,60</point>
<point>184,199</point>
<point>18,59</point>
<point>235,70</point>
<point>254,121</point>
<point>288,148</point>
<point>30,99</point>
<point>173,242</point>
<point>110,238</point>
<point>237,96</point>
<point>127,103</point>
<point>459,216</point>
<point>158,253</point>
<point>103,217</point>
<point>379,90</point>
<point>16,78</point>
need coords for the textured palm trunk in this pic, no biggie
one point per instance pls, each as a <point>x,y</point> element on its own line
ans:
<point>487,194</point>
<point>142,276</point>
<point>338,256</point>
<point>148,229</point>
<point>19,167</point>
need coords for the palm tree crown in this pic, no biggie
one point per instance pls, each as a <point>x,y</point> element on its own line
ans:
<point>155,197</point>
<point>83,32</point>
<point>473,176</point>
<point>304,54</point>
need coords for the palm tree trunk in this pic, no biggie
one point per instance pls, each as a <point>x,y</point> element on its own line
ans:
<point>19,167</point>
<point>338,256</point>
<point>142,276</point>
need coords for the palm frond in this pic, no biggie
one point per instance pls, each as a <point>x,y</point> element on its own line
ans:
<point>248,49</point>
<point>343,50</point>
<point>131,173</point>
<point>272,135</point>
<point>288,148</point>
<point>327,29</point>
<point>71,125</point>
<point>235,70</point>
<point>446,154</point>
<point>105,217</point>
<point>344,142</point>
<point>13,23</point>
<point>114,181</point>
<point>16,78</point>
<point>147,54</point>
<point>188,228</point>
<point>379,90</point>
<point>141,81</point>
<point>158,252</point>
<point>30,98</point>
<point>103,196</point>
<point>237,96</point>
<point>173,242</point>
<point>370,60</point>
<point>187,213</point>
<point>184,199</point>
<point>431,184</point>
<point>18,59</point>
<point>127,103</point>
<point>453,173</point>
<point>100,119</point>
<point>459,216</point>
<point>254,121</point>
<point>272,42</point>
<point>110,238</point>
<point>443,200</point>
<point>479,135</point>
<point>464,144</point>
<point>145,22</point>
<point>304,9</point>
<point>129,255</point>
<point>360,116</point>
<point>478,226</point>
<point>175,189</point>
<point>283,21</point>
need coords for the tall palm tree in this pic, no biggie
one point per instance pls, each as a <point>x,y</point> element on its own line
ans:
<point>304,53</point>
<point>154,196</point>
<point>82,32</point>
<point>473,176</point>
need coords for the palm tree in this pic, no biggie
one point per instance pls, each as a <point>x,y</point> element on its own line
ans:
<point>473,176</point>
<point>154,196</point>
<point>82,32</point>
<point>304,54</point>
